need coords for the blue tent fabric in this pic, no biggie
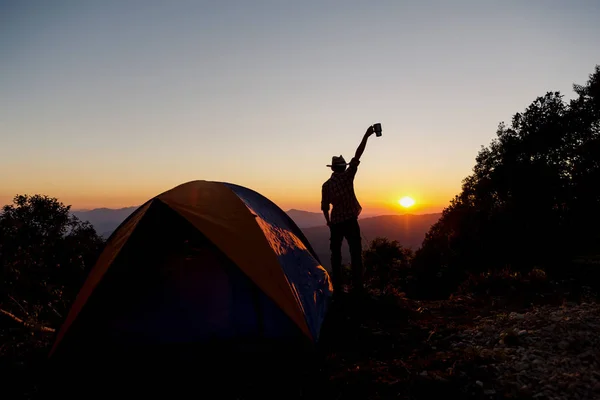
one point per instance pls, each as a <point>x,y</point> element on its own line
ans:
<point>209,264</point>
<point>205,298</point>
<point>305,274</point>
<point>170,285</point>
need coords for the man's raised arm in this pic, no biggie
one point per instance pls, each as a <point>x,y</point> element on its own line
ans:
<point>363,143</point>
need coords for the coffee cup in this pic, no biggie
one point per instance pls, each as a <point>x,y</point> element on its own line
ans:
<point>377,129</point>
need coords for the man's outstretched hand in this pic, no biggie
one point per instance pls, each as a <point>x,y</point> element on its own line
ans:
<point>363,143</point>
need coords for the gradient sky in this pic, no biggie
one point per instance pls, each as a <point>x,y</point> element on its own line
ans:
<point>108,103</point>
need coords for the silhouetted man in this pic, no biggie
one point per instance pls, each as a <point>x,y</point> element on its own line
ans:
<point>338,191</point>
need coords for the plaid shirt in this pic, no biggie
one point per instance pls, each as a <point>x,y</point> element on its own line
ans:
<point>338,190</point>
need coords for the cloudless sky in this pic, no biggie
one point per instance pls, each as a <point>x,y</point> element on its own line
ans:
<point>108,103</point>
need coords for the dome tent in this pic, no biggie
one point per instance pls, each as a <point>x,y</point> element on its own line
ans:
<point>207,265</point>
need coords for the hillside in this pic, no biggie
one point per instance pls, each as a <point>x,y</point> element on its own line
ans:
<point>306,219</point>
<point>408,229</point>
<point>105,220</point>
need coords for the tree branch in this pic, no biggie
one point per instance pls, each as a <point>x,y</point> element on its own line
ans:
<point>19,304</point>
<point>40,328</point>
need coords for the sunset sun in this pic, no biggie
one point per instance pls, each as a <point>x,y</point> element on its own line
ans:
<point>406,202</point>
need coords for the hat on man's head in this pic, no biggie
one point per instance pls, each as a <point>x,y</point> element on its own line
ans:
<point>338,161</point>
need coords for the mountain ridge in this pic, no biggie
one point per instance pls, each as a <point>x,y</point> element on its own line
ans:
<point>408,229</point>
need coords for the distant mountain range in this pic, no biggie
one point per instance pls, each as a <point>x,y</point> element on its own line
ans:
<point>105,220</point>
<point>408,229</point>
<point>306,219</point>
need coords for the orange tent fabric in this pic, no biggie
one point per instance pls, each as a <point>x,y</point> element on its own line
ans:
<point>250,231</point>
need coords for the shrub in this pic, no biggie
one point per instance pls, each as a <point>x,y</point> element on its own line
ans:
<point>386,264</point>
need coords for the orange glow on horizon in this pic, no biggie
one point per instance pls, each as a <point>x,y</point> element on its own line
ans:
<point>79,202</point>
<point>375,199</point>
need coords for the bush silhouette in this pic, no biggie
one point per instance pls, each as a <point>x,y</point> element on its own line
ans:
<point>533,199</point>
<point>45,253</point>
<point>386,265</point>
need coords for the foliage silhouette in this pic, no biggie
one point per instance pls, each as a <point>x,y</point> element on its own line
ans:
<point>386,264</point>
<point>533,198</point>
<point>45,253</point>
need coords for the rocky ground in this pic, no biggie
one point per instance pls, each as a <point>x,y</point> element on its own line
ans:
<point>464,349</point>
<point>398,348</point>
<point>546,352</point>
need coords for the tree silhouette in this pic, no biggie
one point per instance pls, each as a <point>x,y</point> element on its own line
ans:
<point>386,263</point>
<point>533,198</point>
<point>45,253</point>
